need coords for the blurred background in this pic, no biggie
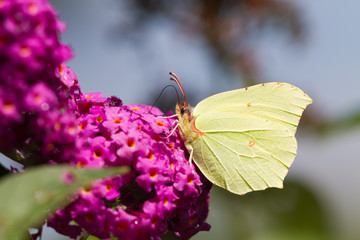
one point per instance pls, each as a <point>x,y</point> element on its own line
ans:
<point>126,48</point>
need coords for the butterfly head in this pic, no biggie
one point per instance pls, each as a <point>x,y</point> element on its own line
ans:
<point>184,111</point>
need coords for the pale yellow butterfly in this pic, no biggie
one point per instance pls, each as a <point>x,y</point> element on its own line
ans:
<point>244,140</point>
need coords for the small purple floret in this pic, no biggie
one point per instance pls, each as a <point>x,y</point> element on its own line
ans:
<point>46,118</point>
<point>162,193</point>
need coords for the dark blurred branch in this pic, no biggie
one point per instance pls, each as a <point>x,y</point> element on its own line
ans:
<point>227,27</point>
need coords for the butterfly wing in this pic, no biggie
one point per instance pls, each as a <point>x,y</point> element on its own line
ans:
<point>248,138</point>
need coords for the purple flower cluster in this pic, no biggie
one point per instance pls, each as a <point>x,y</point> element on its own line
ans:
<point>45,116</point>
<point>33,114</point>
<point>162,193</point>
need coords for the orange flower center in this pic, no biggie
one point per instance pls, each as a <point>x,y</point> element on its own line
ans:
<point>122,226</point>
<point>153,173</point>
<point>130,143</point>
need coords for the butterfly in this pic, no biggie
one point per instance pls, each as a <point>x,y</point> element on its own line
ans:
<point>243,140</point>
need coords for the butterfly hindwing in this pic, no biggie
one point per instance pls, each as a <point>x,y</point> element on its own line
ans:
<point>247,158</point>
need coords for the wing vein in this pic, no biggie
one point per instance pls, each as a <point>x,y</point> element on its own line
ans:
<point>238,154</point>
<point>218,159</point>
<point>262,148</point>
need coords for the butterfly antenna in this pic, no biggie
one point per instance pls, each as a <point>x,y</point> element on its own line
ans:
<point>157,99</point>
<point>176,79</point>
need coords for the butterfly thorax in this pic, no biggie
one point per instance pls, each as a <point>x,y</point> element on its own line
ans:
<point>185,118</point>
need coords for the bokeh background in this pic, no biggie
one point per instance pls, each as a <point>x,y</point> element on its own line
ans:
<point>126,48</point>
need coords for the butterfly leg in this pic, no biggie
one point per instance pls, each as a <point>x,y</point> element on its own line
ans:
<point>191,150</point>
<point>176,122</point>
<point>173,130</point>
<point>171,116</point>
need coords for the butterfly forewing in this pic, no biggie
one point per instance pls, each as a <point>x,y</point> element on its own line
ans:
<point>278,102</point>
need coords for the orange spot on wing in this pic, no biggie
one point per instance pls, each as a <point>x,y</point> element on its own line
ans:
<point>251,143</point>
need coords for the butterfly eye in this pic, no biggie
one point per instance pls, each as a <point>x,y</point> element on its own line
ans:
<point>182,111</point>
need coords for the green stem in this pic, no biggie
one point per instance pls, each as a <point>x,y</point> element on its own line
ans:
<point>84,235</point>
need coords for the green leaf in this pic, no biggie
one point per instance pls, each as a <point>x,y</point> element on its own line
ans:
<point>27,198</point>
<point>91,237</point>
